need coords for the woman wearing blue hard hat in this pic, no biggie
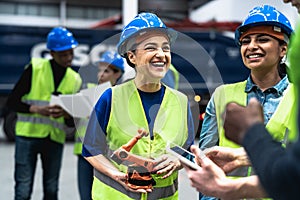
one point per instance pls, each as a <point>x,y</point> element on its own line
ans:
<point>110,67</point>
<point>138,118</point>
<point>263,40</point>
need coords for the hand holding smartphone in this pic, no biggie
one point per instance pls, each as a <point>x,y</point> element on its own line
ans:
<point>183,155</point>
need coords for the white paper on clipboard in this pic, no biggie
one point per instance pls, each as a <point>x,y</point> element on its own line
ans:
<point>81,104</point>
<point>76,105</point>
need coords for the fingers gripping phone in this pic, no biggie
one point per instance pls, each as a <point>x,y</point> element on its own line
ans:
<point>182,155</point>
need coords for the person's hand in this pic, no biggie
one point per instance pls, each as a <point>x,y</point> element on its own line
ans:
<point>54,111</point>
<point>212,181</point>
<point>228,158</point>
<point>166,165</point>
<point>57,111</point>
<point>208,178</point>
<point>42,110</point>
<point>121,178</point>
<point>238,119</point>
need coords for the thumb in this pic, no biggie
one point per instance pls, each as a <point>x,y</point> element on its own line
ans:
<point>199,155</point>
<point>253,102</point>
<point>256,108</point>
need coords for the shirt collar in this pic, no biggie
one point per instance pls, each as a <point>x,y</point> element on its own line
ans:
<point>279,87</point>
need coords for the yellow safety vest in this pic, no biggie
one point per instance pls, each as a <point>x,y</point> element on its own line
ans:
<point>279,125</point>
<point>294,76</point>
<point>42,86</point>
<point>126,117</point>
<point>81,129</point>
<point>176,76</point>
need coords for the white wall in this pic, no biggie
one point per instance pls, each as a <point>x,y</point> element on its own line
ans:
<point>237,10</point>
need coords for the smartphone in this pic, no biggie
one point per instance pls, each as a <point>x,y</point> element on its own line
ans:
<point>182,155</point>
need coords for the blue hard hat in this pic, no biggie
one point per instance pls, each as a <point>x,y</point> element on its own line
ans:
<point>113,58</point>
<point>264,15</point>
<point>143,22</point>
<point>60,39</point>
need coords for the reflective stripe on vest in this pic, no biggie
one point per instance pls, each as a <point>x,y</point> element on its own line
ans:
<point>157,193</point>
<point>79,135</point>
<point>42,87</point>
<point>38,120</point>
<point>127,116</point>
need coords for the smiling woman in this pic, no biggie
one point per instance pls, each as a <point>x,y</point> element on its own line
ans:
<point>263,40</point>
<point>142,108</point>
<point>151,61</point>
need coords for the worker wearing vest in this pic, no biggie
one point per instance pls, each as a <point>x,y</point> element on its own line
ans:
<point>171,79</point>
<point>263,39</point>
<point>110,68</point>
<point>140,106</point>
<point>40,127</point>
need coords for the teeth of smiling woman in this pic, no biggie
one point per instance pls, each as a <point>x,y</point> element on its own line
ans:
<point>254,56</point>
<point>158,64</point>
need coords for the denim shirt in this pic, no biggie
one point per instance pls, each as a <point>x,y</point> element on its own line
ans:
<point>269,100</point>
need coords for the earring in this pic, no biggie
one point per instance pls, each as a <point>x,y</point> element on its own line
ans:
<point>283,59</point>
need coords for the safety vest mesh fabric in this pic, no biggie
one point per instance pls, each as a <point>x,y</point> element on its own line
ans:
<point>81,129</point>
<point>278,125</point>
<point>126,117</point>
<point>79,135</point>
<point>42,86</point>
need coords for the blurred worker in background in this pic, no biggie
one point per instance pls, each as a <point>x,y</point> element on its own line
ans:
<point>171,78</point>
<point>40,128</point>
<point>143,109</point>
<point>263,39</point>
<point>110,68</point>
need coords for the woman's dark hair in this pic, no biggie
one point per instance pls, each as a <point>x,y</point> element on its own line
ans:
<point>282,67</point>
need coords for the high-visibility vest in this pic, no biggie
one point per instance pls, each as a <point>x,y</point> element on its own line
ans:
<point>294,75</point>
<point>42,87</point>
<point>126,117</point>
<point>176,76</point>
<point>280,125</point>
<point>81,129</point>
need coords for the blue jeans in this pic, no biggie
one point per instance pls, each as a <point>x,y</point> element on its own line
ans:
<point>26,154</point>
<point>85,173</point>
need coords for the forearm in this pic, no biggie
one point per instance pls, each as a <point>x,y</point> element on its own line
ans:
<point>246,187</point>
<point>103,165</point>
<point>277,168</point>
